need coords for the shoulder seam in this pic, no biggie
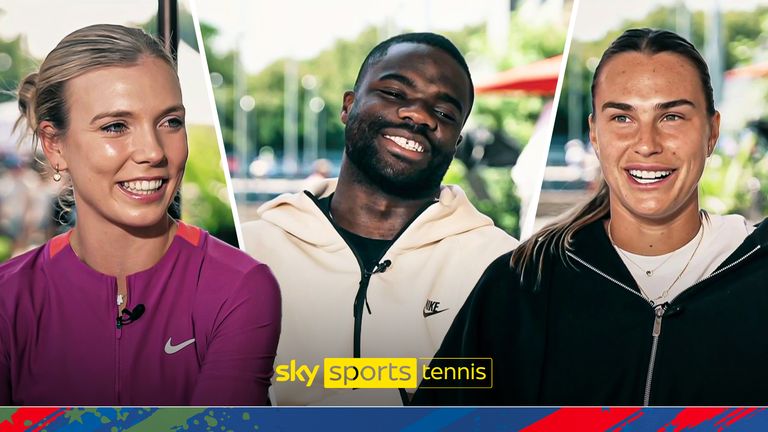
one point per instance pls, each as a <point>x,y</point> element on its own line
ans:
<point>190,233</point>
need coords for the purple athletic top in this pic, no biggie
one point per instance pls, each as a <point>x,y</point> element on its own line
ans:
<point>208,335</point>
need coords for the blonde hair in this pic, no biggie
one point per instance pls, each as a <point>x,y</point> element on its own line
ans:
<point>41,94</point>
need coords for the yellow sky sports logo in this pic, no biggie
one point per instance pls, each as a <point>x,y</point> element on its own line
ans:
<point>405,373</point>
<point>370,372</point>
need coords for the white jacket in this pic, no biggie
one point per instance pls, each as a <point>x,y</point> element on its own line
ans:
<point>438,258</point>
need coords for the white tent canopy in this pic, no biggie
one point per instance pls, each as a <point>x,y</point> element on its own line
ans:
<point>194,86</point>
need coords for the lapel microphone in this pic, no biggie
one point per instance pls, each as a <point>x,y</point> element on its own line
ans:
<point>128,316</point>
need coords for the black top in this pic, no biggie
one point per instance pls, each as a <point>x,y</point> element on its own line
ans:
<point>586,335</point>
<point>369,250</point>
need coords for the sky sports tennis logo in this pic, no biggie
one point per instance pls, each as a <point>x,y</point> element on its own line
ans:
<point>391,373</point>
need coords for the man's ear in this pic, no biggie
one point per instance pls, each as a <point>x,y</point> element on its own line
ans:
<point>51,143</point>
<point>346,105</point>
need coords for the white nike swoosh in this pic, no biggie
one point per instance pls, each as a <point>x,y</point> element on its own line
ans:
<point>173,349</point>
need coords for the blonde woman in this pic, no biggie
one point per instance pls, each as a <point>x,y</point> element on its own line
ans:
<point>130,307</point>
<point>637,298</point>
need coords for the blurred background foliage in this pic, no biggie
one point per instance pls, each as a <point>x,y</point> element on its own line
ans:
<point>14,65</point>
<point>745,34</point>
<point>205,200</point>
<point>204,197</point>
<point>333,71</point>
<point>736,177</point>
<point>336,68</point>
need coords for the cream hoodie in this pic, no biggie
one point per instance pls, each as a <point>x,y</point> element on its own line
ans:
<point>438,258</point>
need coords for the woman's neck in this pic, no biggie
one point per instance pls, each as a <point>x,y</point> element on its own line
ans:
<point>653,237</point>
<point>119,251</point>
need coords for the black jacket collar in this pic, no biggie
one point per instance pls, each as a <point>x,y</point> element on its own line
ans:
<point>592,245</point>
<point>759,237</point>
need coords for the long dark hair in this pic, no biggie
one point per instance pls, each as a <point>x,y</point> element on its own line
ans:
<point>556,238</point>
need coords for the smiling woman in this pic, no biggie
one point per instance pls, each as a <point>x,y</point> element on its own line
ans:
<point>125,153</point>
<point>106,312</point>
<point>574,315</point>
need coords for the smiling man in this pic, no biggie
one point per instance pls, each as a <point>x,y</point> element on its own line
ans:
<point>378,262</point>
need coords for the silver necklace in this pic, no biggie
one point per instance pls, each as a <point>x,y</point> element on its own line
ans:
<point>679,275</point>
<point>648,272</point>
<point>666,291</point>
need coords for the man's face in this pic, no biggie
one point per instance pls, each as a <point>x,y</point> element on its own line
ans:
<point>652,133</point>
<point>404,121</point>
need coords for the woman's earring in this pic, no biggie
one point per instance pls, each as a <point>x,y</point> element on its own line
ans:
<point>57,175</point>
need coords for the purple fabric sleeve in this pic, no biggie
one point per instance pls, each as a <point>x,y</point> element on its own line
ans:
<point>239,362</point>
<point>5,364</point>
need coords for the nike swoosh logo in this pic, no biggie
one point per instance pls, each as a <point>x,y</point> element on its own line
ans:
<point>173,349</point>
<point>430,313</point>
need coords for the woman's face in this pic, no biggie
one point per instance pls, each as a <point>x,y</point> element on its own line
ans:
<point>652,133</point>
<point>126,145</point>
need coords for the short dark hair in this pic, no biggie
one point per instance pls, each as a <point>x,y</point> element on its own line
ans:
<point>425,38</point>
<point>653,41</point>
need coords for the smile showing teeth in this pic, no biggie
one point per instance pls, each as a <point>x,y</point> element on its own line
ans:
<point>142,187</point>
<point>646,177</point>
<point>406,143</point>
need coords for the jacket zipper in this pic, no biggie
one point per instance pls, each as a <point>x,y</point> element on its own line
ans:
<point>596,270</point>
<point>362,290</point>
<point>118,334</point>
<point>361,298</point>
<point>658,311</point>
<point>715,273</point>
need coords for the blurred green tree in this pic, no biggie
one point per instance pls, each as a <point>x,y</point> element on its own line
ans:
<point>336,68</point>
<point>15,64</point>
<point>731,183</point>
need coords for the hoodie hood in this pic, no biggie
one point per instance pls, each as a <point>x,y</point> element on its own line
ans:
<point>299,216</point>
<point>760,235</point>
<point>757,239</point>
